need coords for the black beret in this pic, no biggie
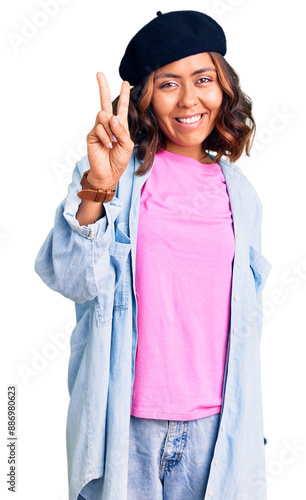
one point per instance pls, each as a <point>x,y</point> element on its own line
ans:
<point>168,38</point>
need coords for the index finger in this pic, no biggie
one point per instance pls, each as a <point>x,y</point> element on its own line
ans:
<point>105,95</point>
<point>123,103</point>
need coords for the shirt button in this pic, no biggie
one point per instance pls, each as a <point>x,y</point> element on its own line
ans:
<point>236,297</point>
<point>235,330</point>
<point>239,265</point>
<point>230,362</point>
<point>226,398</point>
<point>222,428</point>
<point>238,235</point>
<point>210,492</point>
<point>135,222</point>
<point>216,462</point>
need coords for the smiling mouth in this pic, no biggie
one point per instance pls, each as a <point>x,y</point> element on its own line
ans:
<point>193,119</point>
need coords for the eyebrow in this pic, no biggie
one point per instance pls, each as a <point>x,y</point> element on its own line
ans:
<point>171,75</point>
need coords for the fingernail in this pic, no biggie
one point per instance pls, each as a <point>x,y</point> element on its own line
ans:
<point>114,138</point>
<point>110,145</point>
<point>116,121</point>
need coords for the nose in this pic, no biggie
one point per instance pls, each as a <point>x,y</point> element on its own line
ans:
<point>188,97</point>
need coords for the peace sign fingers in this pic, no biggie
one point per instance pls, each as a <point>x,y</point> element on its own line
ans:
<point>105,95</point>
<point>109,144</point>
<point>123,104</point>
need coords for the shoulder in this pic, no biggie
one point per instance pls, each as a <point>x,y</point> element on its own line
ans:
<point>246,189</point>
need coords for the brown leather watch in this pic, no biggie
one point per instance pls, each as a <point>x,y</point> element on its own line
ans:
<point>92,193</point>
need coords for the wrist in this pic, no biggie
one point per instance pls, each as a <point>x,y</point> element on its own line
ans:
<point>100,183</point>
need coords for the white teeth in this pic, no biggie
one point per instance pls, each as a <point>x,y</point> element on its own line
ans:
<point>189,120</point>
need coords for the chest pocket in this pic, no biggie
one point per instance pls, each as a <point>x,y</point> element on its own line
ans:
<point>120,251</point>
<point>260,267</point>
<point>120,260</point>
<point>115,295</point>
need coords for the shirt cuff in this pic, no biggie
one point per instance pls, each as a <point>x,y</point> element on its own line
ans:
<point>96,229</point>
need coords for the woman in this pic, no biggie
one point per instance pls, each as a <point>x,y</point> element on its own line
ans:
<point>164,372</point>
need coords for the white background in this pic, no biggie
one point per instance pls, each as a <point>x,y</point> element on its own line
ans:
<point>49,101</point>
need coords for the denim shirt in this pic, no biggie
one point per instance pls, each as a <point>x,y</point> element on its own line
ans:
<point>94,266</point>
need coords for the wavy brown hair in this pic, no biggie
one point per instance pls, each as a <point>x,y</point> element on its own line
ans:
<point>234,128</point>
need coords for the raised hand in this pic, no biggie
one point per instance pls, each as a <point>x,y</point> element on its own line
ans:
<point>109,145</point>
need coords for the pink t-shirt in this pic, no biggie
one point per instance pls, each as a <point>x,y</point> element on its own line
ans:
<point>185,249</point>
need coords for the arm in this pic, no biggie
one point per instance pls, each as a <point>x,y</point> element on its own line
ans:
<point>74,259</point>
<point>260,265</point>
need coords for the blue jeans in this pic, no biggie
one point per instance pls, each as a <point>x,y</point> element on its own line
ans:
<point>169,459</point>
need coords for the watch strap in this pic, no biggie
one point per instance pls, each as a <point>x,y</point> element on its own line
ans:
<point>92,193</point>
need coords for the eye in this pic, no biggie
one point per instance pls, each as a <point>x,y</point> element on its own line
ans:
<point>167,84</point>
<point>205,78</point>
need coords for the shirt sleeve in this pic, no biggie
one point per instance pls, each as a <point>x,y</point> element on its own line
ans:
<point>74,260</point>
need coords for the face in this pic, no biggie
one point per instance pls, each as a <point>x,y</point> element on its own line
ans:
<point>186,99</point>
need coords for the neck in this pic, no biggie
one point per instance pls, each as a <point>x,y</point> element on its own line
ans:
<point>194,152</point>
